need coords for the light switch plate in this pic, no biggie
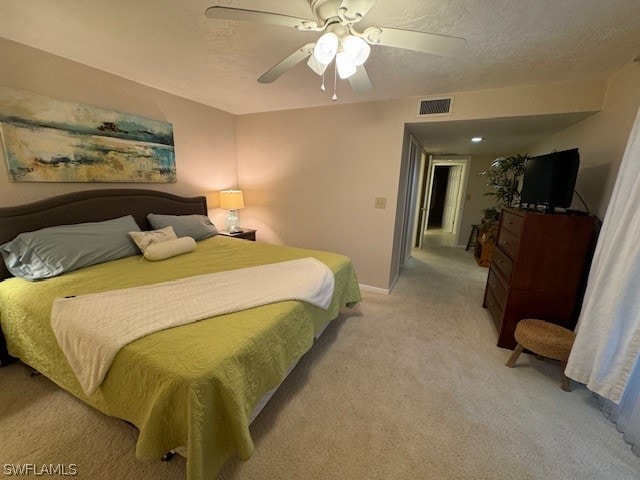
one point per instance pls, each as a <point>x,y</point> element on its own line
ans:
<point>381,202</point>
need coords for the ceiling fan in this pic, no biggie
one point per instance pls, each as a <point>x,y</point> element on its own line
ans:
<point>341,42</point>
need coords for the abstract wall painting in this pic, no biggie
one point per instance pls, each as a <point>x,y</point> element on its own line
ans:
<point>47,140</point>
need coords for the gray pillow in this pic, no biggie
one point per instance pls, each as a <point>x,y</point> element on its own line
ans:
<point>54,250</point>
<point>197,227</point>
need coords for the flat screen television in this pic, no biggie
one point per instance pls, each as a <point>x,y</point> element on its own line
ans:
<point>549,180</point>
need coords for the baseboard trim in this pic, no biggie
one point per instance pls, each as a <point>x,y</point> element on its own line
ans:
<point>369,288</point>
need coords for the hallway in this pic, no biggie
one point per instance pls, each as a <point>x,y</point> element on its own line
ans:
<point>438,237</point>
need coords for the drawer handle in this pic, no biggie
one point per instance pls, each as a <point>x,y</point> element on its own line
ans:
<point>509,222</point>
<point>505,242</point>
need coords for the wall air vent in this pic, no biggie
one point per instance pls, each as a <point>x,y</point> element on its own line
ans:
<point>435,106</point>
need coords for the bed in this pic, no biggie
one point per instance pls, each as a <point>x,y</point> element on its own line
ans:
<point>197,386</point>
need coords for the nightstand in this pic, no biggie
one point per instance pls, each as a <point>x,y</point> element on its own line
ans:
<point>244,233</point>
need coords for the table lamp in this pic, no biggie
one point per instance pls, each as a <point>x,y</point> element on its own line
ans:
<point>232,200</point>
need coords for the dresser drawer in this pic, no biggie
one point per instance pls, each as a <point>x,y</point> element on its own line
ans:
<point>512,222</point>
<point>503,264</point>
<point>496,288</point>
<point>494,309</point>
<point>508,242</point>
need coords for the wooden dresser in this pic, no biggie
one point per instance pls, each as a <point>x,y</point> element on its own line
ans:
<point>538,270</point>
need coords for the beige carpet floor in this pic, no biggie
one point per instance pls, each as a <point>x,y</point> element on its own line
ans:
<point>405,386</point>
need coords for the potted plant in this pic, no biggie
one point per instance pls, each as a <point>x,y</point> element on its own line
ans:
<point>503,177</point>
<point>504,180</point>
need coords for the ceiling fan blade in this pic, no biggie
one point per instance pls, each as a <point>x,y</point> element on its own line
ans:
<point>412,40</point>
<point>227,13</point>
<point>316,66</point>
<point>360,80</point>
<point>354,10</point>
<point>291,61</point>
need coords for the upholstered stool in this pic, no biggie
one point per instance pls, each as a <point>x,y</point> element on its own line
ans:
<point>545,339</point>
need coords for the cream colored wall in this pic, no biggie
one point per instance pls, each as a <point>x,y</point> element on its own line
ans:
<point>310,178</point>
<point>548,98</point>
<point>311,175</point>
<point>205,138</point>
<point>602,139</point>
<point>476,189</point>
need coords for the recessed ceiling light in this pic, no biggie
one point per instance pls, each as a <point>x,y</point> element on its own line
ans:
<point>477,139</point>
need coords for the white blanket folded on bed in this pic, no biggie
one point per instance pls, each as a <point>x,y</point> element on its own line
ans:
<point>91,329</point>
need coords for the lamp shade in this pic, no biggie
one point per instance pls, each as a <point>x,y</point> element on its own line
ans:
<point>231,199</point>
<point>356,48</point>
<point>346,65</point>
<point>326,48</point>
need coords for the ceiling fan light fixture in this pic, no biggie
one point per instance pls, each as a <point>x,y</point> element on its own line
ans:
<point>340,41</point>
<point>326,48</point>
<point>345,65</point>
<point>356,48</point>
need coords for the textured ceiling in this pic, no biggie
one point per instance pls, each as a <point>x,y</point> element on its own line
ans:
<point>172,46</point>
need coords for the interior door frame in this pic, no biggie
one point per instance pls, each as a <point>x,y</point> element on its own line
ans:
<point>450,161</point>
<point>420,217</point>
<point>451,201</point>
<point>411,200</point>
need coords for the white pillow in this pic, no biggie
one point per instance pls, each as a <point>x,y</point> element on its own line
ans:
<point>170,248</point>
<point>144,239</point>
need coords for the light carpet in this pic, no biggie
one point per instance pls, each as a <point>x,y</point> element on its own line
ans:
<point>405,386</point>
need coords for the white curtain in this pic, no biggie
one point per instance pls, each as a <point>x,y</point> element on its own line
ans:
<point>606,353</point>
<point>626,415</point>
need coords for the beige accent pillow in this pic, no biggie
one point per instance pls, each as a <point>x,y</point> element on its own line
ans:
<point>144,239</point>
<point>170,248</point>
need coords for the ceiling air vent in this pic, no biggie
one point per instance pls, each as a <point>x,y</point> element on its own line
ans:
<point>434,106</point>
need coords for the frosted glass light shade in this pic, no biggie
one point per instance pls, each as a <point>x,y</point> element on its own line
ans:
<point>231,199</point>
<point>345,64</point>
<point>357,49</point>
<point>326,48</point>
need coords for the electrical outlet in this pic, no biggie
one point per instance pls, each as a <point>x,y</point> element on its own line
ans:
<point>381,202</point>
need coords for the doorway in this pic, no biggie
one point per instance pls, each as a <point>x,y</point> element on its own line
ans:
<point>414,193</point>
<point>438,199</point>
<point>443,202</point>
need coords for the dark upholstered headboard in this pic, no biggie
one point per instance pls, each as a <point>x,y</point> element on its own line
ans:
<point>92,206</point>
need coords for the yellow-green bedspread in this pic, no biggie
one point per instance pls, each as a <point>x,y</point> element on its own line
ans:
<point>194,385</point>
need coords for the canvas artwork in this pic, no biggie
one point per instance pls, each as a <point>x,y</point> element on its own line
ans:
<point>47,140</point>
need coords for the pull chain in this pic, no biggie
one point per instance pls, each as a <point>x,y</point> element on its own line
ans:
<point>322,86</point>
<point>335,82</point>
